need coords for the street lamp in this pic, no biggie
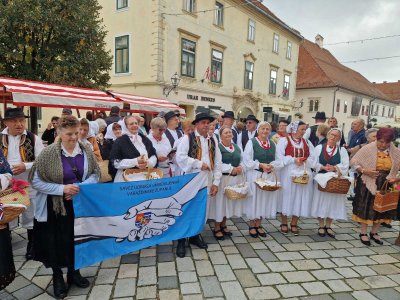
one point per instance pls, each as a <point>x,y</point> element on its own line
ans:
<point>174,84</point>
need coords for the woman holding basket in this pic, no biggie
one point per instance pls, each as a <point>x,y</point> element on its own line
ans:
<point>297,156</point>
<point>131,150</point>
<point>376,163</point>
<point>259,159</point>
<point>333,159</point>
<point>232,174</point>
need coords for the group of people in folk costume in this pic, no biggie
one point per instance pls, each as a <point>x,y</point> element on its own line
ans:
<point>227,156</point>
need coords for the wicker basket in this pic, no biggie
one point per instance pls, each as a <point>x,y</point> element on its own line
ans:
<point>336,185</point>
<point>104,175</point>
<point>146,171</point>
<point>9,196</point>
<point>303,179</point>
<point>386,200</point>
<point>231,194</point>
<point>269,188</point>
<point>9,214</point>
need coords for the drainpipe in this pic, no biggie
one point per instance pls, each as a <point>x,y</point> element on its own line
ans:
<point>334,101</point>
<point>369,113</point>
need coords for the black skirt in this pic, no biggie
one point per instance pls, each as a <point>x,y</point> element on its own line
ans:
<point>7,268</point>
<point>54,239</point>
<point>364,201</point>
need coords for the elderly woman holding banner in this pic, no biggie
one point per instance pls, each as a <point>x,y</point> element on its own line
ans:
<point>259,159</point>
<point>376,163</point>
<point>56,176</point>
<point>297,156</point>
<point>330,159</point>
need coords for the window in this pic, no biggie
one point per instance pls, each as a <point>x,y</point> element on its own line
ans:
<point>362,110</point>
<point>286,85</point>
<point>219,14</point>
<point>313,105</point>
<point>122,4</point>
<point>356,106</point>
<point>39,113</point>
<point>338,105</point>
<point>189,5</point>
<point>252,31</point>
<point>188,58</point>
<point>377,110</point>
<point>276,43</point>
<point>248,75</point>
<point>345,107</point>
<point>372,110</point>
<point>122,54</point>
<point>383,111</point>
<point>272,82</point>
<point>367,110</point>
<point>216,66</point>
<point>289,50</point>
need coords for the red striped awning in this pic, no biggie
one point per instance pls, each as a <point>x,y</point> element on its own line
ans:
<point>146,104</point>
<point>33,93</point>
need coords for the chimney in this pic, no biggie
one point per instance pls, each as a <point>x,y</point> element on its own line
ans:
<point>319,40</point>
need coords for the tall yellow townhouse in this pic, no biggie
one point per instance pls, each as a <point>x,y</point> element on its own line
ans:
<point>204,55</point>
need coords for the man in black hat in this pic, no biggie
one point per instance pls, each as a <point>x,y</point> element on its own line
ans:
<point>20,148</point>
<point>229,119</point>
<point>114,116</point>
<point>250,131</point>
<point>311,132</point>
<point>199,144</point>
<point>172,132</point>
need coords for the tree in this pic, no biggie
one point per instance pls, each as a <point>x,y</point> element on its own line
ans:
<point>57,41</point>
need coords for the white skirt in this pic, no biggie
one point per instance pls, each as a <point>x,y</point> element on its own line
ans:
<point>296,198</point>
<point>261,204</point>
<point>328,205</point>
<point>220,206</point>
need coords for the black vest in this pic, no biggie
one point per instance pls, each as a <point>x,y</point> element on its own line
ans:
<point>313,135</point>
<point>235,135</point>
<point>245,138</point>
<point>171,138</point>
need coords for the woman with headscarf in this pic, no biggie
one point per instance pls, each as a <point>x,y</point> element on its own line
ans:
<point>221,207</point>
<point>7,267</point>
<point>375,163</point>
<point>259,158</point>
<point>87,135</point>
<point>329,157</point>
<point>56,176</point>
<point>131,150</point>
<point>297,155</point>
<point>113,132</point>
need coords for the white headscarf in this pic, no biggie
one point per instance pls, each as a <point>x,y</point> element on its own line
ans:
<point>110,135</point>
<point>93,129</point>
<point>123,126</point>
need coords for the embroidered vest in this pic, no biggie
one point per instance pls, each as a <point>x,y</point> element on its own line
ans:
<point>297,152</point>
<point>333,161</point>
<point>245,138</point>
<point>232,158</point>
<point>26,147</point>
<point>195,148</point>
<point>170,136</point>
<point>264,156</point>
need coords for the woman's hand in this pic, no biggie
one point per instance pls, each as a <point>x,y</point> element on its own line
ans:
<point>236,171</point>
<point>141,160</point>
<point>299,161</point>
<point>371,173</point>
<point>394,180</point>
<point>266,167</point>
<point>70,190</point>
<point>162,158</point>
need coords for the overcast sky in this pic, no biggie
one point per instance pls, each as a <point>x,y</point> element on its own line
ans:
<point>345,20</point>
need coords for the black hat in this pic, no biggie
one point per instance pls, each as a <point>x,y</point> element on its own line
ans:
<point>252,118</point>
<point>320,115</point>
<point>202,116</point>
<point>170,115</point>
<point>12,113</point>
<point>229,114</point>
<point>67,111</point>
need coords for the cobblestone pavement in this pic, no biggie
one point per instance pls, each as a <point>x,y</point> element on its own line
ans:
<point>277,267</point>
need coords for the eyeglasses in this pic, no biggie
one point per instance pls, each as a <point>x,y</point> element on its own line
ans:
<point>161,129</point>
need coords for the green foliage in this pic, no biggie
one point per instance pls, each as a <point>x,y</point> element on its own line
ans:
<point>58,41</point>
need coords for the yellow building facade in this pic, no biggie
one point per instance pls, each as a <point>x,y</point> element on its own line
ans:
<point>229,54</point>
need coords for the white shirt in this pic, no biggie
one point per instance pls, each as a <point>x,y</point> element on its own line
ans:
<point>163,148</point>
<point>174,134</point>
<point>14,156</point>
<point>192,165</point>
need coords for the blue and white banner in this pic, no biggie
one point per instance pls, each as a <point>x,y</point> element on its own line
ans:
<point>114,219</point>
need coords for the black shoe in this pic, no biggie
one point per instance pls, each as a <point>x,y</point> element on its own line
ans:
<point>227,233</point>
<point>198,241</point>
<point>373,235</point>
<point>29,247</point>
<point>60,289</point>
<point>76,278</point>
<point>321,231</point>
<point>253,235</point>
<point>181,248</point>
<point>386,225</point>
<point>332,235</point>
<point>219,237</point>
<point>261,232</point>
<point>367,243</point>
